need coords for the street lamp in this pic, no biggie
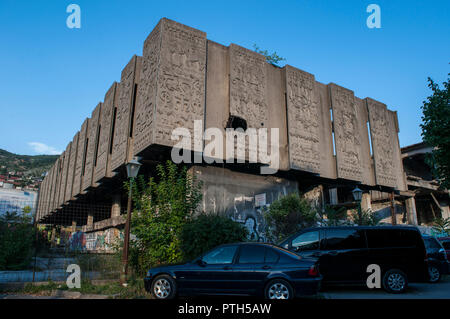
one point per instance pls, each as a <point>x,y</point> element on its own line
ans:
<point>357,195</point>
<point>132,171</point>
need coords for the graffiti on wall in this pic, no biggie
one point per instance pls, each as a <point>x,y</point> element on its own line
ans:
<point>251,217</point>
<point>100,241</point>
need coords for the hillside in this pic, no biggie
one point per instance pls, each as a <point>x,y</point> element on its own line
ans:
<point>27,164</point>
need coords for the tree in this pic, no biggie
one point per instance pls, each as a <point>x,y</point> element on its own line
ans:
<point>207,231</point>
<point>441,225</point>
<point>436,130</point>
<point>162,207</point>
<point>288,215</point>
<point>16,241</point>
<point>273,58</point>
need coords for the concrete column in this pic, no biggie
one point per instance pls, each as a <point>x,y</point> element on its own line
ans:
<point>52,238</point>
<point>115,208</point>
<point>74,226</point>
<point>90,221</point>
<point>366,201</point>
<point>410,204</point>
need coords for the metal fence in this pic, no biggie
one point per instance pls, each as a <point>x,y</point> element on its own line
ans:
<point>40,248</point>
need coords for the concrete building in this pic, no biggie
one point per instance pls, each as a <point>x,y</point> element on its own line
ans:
<point>329,139</point>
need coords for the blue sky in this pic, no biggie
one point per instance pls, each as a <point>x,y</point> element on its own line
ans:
<point>52,77</point>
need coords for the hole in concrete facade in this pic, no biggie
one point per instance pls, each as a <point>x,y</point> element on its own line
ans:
<point>236,122</point>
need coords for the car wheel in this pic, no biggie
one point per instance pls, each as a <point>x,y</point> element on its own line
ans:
<point>163,287</point>
<point>395,281</point>
<point>434,274</point>
<point>278,289</point>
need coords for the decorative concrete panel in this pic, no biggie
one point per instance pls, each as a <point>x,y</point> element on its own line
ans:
<point>381,131</point>
<point>346,133</point>
<point>91,149</point>
<point>79,163</point>
<point>127,95</point>
<point>57,182</point>
<point>172,90</point>
<point>307,127</point>
<point>248,90</point>
<point>48,179</point>
<point>146,94</point>
<point>72,164</point>
<point>64,174</point>
<point>106,123</point>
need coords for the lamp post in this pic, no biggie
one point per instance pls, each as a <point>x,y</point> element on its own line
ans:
<point>357,196</point>
<point>132,171</point>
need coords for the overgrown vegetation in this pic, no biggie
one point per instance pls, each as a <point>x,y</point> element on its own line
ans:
<point>16,240</point>
<point>441,225</point>
<point>436,130</point>
<point>163,206</point>
<point>288,215</point>
<point>207,231</point>
<point>272,58</point>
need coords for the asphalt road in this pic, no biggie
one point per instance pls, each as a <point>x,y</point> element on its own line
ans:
<point>440,290</point>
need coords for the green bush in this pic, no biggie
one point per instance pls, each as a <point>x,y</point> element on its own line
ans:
<point>288,215</point>
<point>16,241</point>
<point>207,231</point>
<point>162,207</point>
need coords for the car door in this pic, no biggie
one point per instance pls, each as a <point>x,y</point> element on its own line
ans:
<point>214,271</point>
<point>344,255</point>
<point>248,269</point>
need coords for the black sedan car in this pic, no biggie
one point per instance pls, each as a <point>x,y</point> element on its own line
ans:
<point>238,269</point>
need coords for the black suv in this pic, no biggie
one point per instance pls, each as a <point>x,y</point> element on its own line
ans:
<point>345,252</point>
<point>437,259</point>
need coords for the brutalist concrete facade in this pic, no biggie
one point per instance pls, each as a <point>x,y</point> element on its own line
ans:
<point>181,77</point>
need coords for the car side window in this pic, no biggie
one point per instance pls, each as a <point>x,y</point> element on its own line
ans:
<point>252,254</point>
<point>221,255</point>
<point>271,256</point>
<point>340,239</point>
<point>306,241</point>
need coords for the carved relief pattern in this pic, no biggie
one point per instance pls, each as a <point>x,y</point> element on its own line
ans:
<point>106,119</point>
<point>181,80</point>
<point>76,188</point>
<point>145,104</point>
<point>65,168</point>
<point>248,98</point>
<point>92,144</point>
<point>346,134</point>
<point>303,105</point>
<point>70,172</point>
<point>121,130</point>
<point>57,182</point>
<point>48,191</point>
<point>381,130</point>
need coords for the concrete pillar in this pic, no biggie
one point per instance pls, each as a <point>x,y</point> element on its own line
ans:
<point>52,238</point>
<point>366,201</point>
<point>410,204</point>
<point>74,226</point>
<point>90,221</point>
<point>115,208</point>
